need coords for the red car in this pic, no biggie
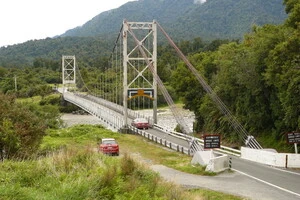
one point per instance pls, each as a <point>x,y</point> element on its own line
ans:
<point>140,123</point>
<point>109,146</point>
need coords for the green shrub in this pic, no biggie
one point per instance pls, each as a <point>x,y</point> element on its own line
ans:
<point>51,100</point>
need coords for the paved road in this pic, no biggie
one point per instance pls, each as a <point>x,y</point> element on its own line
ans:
<point>272,182</point>
<point>231,183</point>
<point>286,181</point>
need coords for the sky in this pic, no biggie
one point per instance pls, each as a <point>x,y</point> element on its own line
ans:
<point>23,20</point>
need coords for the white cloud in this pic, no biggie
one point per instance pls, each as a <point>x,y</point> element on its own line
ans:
<point>199,1</point>
<point>35,19</point>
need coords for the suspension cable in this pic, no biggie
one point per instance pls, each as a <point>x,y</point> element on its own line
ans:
<point>234,122</point>
<point>80,76</point>
<point>116,42</point>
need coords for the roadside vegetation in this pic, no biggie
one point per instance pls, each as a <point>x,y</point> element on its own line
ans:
<point>68,166</point>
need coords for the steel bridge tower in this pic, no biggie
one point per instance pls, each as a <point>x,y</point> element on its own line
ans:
<point>147,31</point>
<point>68,70</point>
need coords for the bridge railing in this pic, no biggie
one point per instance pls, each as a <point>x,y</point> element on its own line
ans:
<point>108,116</point>
<point>162,141</point>
<point>222,149</point>
<point>116,107</point>
<point>111,114</point>
<point>108,112</point>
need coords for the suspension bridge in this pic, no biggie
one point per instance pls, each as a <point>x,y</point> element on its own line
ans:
<point>131,82</point>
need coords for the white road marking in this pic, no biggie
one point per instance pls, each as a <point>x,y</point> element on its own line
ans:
<point>280,188</point>
<point>282,170</point>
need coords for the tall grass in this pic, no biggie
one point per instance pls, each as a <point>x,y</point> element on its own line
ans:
<point>81,174</point>
<point>70,167</point>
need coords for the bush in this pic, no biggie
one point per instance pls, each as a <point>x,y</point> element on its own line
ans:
<point>21,130</point>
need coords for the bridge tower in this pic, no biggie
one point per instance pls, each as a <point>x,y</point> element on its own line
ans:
<point>68,70</point>
<point>132,60</point>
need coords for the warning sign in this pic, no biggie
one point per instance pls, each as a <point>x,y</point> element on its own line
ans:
<point>293,138</point>
<point>145,92</point>
<point>212,141</point>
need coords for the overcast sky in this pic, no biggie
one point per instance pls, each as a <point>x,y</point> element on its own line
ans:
<point>23,20</point>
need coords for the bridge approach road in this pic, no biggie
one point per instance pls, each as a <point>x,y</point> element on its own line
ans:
<point>283,182</point>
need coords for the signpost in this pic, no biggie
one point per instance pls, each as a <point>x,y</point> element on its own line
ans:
<point>212,141</point>
<point>293,138</point>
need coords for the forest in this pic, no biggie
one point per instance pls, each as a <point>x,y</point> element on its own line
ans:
<point>215,19</point>
<point>258,79</point>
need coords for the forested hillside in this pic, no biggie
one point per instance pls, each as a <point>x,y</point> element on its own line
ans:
<point>258,79</point>
<point>184,19</point>
<point>85,48</point>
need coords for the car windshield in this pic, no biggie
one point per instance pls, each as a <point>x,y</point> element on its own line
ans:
<point>109,142</point>
<point>142,120</point>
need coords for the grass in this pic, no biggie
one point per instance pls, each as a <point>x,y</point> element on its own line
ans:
<point>35,99</point>
<point>160,155</point>
<point>82,174</point>
<point>280,145</point>
<point>211,195</point>
<point>69,167</point>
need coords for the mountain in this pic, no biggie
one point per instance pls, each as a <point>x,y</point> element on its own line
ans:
<point>86,49</point>
<point>182,19</point>
<point>187,19</point>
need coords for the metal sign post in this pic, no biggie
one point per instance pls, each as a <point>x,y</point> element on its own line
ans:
<point>293,138</point>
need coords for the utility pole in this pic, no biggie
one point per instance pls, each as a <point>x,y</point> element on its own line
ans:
<point>15,78</point>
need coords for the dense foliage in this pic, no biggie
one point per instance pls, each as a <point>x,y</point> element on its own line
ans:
<point>23,125</point>
<point>49,51</point>
<point>28,81</point>
<point>257,79</point>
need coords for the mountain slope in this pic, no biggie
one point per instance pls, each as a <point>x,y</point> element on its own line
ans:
<point>186,19</point>
<point>85,48</point>
<point>144,10</point>
<point>182,19</point>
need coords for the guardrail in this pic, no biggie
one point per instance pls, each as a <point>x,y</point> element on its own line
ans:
<point>109,117</point>
<point>115,107</point>
<point>222,149</point>
<point>162,141</point>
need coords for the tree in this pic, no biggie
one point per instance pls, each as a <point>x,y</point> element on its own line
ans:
<point>21,130</point>
<point>293,9</point>
<point>283,75</point>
